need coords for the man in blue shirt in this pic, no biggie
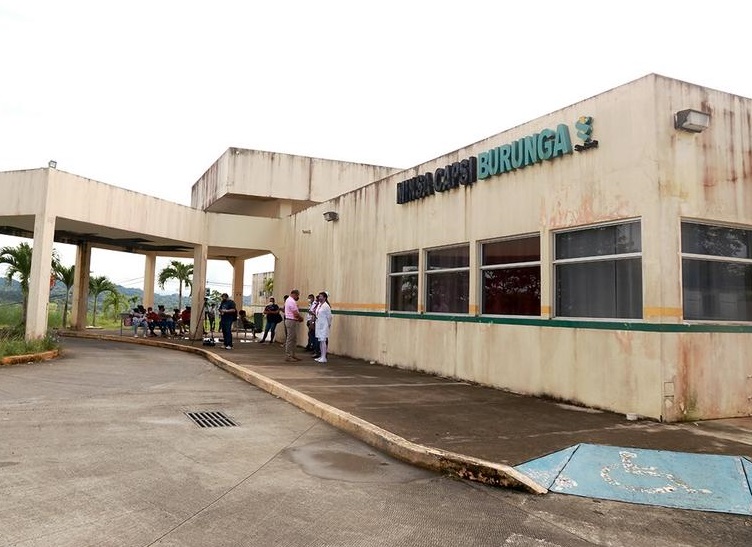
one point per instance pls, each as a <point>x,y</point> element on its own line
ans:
<point>228,313</point>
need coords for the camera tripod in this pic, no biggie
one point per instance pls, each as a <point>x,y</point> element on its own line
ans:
<point>206,340</point>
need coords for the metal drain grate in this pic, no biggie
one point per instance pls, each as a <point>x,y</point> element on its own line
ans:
<point>211,419</point>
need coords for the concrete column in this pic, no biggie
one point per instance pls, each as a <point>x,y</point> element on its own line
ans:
<point>238,273</point>
<point>81,286</point>
<point>39,280</point>
<point>150,273</point>
<point>200,257</point>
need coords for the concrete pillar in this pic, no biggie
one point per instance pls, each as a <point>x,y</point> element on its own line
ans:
<point>200,257</point>
<point>81,286</point>
<point>150,273</point>
<point>238,273</point>
<point>39,280</point>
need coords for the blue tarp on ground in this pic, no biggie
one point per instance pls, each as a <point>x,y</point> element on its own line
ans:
<point>703,482</point>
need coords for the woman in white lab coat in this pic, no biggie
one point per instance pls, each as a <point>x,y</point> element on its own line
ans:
<point>323,324</point>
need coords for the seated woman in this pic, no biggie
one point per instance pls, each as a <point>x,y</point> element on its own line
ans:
<point>138,319</point>
<point>184,322</point>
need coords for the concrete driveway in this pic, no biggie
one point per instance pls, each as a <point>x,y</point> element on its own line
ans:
<point>96,449</point>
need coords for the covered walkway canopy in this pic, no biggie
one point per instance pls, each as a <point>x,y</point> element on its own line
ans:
<point>236,209</point>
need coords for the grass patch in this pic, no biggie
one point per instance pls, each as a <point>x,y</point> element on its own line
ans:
<point>12,343</point>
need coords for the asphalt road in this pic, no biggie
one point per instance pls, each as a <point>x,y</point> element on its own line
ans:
<point>96,450</point>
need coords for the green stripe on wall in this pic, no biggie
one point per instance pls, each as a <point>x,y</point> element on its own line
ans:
<point>556,323</point>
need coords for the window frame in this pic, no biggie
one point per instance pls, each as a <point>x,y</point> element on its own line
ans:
<point>391,275</point>
<point>555,262</point>
<point>709,258</point>
<point>426,272</point>
<point>508,266</point>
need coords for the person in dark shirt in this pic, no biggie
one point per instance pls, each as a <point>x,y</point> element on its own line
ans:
<point>228,313</point>
<point>273,318</point>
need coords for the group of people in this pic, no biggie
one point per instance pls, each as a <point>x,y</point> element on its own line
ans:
<point>319,324</point>
<point>172,324</point>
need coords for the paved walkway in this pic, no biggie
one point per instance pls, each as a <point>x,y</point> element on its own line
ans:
<point>478,432</point>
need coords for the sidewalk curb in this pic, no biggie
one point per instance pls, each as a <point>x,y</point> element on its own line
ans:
<point>30,357</point>
<point>465,467</point>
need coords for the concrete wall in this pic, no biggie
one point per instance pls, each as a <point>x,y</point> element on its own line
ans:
<point>643,169</point>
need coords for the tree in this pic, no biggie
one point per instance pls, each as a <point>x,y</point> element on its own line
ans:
<point>268,286</point>
<point>67,276</point>
<point>179,271</point>
<point>18,260</point>
<point>98,285</point>
<point>116,302</point>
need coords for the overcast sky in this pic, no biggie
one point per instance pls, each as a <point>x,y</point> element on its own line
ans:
<point>146,95</point>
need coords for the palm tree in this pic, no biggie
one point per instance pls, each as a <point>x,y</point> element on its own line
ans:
<point>18,260</point>
<point>115,301</point>
<point>179,271</point>
<point>269,286</point>
<point>67,276</point>
<point>98,285</point>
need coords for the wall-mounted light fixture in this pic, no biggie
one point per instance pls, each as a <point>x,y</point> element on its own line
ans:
<point>692,120</point>
<point>331,215</point>
<point>52,164</point>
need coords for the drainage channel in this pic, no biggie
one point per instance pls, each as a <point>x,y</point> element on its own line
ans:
<point>211,419</point>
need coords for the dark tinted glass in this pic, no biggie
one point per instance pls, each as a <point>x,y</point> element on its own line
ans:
<point>606,289</point>
<point>453,257</point>
<point>448,292</point>
<point>716,240</point>
<point>715,290</point>
<point>403,293</point>
<point>511,251</point>
<point>404,263</point>
<point>512,291</point>
<point>599,241</point>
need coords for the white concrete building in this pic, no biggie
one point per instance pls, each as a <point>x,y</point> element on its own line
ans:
<point>601,254</point>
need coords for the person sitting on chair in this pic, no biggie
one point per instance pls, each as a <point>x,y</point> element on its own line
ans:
<point>245,323</point>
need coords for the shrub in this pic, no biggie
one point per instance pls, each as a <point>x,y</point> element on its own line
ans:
<point>12,343</point>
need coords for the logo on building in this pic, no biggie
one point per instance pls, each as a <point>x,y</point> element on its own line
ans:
<point>584,128</point>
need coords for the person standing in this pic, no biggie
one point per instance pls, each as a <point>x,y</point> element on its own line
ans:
<point>311,324</point>
<point>323,324</point>
<point>292,318</point>
<point>228,313</point>
<point>211,315</point>
<point>271,311</point>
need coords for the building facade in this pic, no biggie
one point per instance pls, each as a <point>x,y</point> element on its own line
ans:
<point>599,255</point>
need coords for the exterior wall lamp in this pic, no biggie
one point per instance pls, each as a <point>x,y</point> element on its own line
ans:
<point>52,164</point>
<point>692,120</point>
<point>331,215</point>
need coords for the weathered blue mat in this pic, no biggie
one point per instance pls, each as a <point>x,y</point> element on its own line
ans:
<point>703,482</point>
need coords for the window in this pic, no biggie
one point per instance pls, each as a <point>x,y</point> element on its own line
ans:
<point>448,280</point>
<point>403,282</point>
<point>716,272</point>
<point>598,272</point>
<point>511,277</point>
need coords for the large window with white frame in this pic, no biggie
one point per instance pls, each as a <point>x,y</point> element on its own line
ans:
<point>403,282</point>
<point>447,279</point>
<point>511,276</point>
<point>598,271</point>
<point>716,272</point>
